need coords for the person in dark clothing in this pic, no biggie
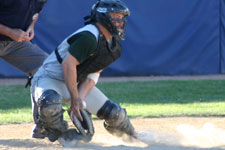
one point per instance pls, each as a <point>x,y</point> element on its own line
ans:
<point>17,21</point>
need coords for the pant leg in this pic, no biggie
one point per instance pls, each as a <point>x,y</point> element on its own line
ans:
<point>41,84</point>
<point>24,56</point>
<point>95,100</point>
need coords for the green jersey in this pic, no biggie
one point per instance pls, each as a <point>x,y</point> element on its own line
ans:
<point>82,45</point>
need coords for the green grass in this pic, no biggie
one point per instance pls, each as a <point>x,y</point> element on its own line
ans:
<point>15,104</point>
<point>169,98</point>
<point>141,99</point>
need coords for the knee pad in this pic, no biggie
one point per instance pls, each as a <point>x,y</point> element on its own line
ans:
<point>116,119</point>
<point>51,112</point>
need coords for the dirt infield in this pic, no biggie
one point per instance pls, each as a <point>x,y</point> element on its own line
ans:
<point>180,133</point>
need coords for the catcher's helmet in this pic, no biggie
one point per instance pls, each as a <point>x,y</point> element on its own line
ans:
<point>100,13</point>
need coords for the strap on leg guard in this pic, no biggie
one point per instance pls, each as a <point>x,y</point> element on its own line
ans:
<point>51,114</point>
<point>116,119</point>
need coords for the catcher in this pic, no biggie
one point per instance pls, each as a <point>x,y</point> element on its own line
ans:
<point>70,73</point>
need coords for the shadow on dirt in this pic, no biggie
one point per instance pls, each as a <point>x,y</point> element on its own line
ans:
<point>23,144</point>
<point>152,147</point>
<point>28,144</point>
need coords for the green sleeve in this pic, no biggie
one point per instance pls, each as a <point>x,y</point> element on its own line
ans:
<point>82,45</point>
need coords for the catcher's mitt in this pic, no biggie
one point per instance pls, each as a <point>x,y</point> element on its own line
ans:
<point>85,128</point>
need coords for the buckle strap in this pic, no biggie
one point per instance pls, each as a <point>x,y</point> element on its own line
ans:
<point>29,78</point>
<point>59,58</point>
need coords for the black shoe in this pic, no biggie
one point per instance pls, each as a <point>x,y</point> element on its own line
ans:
<point>39,132</point>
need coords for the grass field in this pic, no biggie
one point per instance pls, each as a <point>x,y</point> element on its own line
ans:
<point>141,99</point>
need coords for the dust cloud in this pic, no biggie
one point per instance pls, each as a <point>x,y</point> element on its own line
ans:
<point>206,136</point>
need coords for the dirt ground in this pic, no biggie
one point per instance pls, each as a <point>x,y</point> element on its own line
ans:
<point>177,133</point>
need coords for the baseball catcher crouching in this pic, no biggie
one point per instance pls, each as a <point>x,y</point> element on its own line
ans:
<point>116,119</point>
<point>71,73</point>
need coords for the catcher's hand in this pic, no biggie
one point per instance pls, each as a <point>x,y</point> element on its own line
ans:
<point>85,128</point>
<point>76,106</point>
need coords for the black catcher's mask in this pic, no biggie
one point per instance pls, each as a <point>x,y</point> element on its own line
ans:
<point>101,13</point>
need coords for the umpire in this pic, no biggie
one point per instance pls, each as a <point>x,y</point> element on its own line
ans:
<point>17,21</point>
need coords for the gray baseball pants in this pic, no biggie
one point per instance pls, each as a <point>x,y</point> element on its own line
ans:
<point>42,82</point>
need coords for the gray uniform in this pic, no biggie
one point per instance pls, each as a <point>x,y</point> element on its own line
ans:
<point>50,76</point>
<point>49,90</point>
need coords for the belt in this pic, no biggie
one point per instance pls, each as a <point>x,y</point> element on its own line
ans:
<point>4,43</point>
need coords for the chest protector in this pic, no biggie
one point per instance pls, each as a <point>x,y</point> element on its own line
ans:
<point>103,56</point>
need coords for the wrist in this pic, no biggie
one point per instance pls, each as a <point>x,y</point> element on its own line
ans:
<point>76,99</point>
<point>10,33</point>
<point>7,31</point>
